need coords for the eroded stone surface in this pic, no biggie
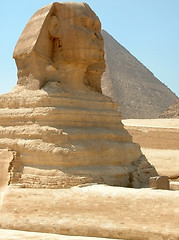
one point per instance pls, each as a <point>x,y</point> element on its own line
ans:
<point>65,45</point>
<point>96,211</point>
<point>6,158</point>
<point>64,139</point>
<point>159,182</point>
<point>63,130</point>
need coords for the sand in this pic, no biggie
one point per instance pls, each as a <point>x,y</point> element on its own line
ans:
<point>159,123</point>
<point>7,234</point>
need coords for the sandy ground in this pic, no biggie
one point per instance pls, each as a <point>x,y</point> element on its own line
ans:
<point>165,161</point>
<point>154,133</point>
<point>6,234</point>
<point>159,123</point>
<point>159,139</point>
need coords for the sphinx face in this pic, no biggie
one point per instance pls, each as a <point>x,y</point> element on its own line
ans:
<point>78,38</point>
<point>61,41</point>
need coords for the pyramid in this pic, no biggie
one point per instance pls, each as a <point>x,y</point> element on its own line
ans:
<point>172,111</point>
<point>128,82</point>
<point>61,129</point>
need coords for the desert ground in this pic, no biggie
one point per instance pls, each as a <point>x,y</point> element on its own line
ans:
<point>16,235</point>
<point>99,210</point>
<point>159,140</point>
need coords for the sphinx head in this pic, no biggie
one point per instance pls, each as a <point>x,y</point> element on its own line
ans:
<point>61,42</point>
<point>76,34</point>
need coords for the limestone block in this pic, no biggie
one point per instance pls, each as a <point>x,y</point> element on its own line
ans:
<point>159,182</point>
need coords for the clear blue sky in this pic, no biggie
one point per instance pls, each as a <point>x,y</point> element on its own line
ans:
<point>149,29</point>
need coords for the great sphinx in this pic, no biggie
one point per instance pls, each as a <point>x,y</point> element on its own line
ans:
<point>61,129</point>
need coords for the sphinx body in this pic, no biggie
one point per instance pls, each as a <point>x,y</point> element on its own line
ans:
<point>62,130</point>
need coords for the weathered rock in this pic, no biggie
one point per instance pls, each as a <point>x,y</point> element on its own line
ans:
<point>159,182</point>
<point>63,130</point>
<point>5,159</point>
<point>65,46</point>
<point>96,211</point>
